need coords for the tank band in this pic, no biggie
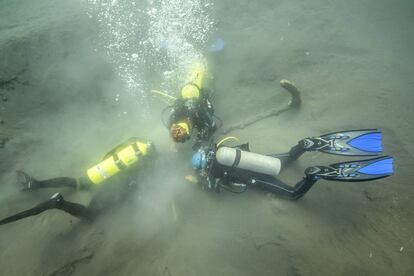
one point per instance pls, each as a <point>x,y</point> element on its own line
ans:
<point>237,159</point>
<point>118,162</point>
<point>135,148</point>
<point>193,84</point>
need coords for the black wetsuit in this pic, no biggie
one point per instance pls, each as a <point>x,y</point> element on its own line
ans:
<point>217,176</point>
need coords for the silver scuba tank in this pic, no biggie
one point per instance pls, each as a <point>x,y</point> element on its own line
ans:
<point>250,161</point>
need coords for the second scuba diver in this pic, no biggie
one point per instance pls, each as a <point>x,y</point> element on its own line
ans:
<point>236,168</point>
<point>114,187</point>
<point>193,110</point>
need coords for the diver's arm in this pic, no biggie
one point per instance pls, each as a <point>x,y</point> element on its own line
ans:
<point>178,112</point>
<point>173,118</point>
<point>202,136</point>
<point>206,180</point>
<point>207,183</point>
<point>208,176</point>
<point>205,125</point>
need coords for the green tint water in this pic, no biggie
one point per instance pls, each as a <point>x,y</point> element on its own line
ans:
<point>84,74</point>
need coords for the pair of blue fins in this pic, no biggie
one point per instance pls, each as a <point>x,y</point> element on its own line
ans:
<point>363,142</point>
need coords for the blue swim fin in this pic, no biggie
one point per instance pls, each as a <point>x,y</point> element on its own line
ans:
<point>362,142</point>
<point>360,170</point>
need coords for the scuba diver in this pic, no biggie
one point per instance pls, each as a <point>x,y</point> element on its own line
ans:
<point>236,168</point>
<point>123,158</point>
<point>192,110</point>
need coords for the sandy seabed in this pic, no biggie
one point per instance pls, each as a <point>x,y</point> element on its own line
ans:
<point>353,62</point>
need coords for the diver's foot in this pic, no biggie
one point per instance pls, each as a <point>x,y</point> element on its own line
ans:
<point>313,143</point>
<point>26,182</point>
<point>315,172</point>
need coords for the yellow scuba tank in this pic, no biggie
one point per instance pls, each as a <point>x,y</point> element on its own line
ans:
<point>194,82</point>
<point>118,159</point>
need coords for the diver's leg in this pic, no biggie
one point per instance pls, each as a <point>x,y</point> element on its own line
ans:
<point>58,182</point>
<point>75,209</point>
<point>302,187</point>
<point>108,198</point>
<point>29,183</point>
<point>286,158</point>
<point>31,212</point>
<point>55,202</point>
<point>277,186</point>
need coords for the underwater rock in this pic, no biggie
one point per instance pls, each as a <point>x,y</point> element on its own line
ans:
<point>294,93</point>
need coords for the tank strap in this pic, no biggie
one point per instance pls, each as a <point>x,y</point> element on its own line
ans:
<point>118,162</point>
<point>136,149</point>
<point>237,159</point>
<point>195,85</point>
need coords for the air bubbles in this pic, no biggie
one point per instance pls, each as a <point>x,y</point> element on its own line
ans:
<point>152,11</point>
<point>153,35</point>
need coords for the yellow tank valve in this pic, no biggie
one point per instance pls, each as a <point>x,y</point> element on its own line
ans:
<point>190,91</point>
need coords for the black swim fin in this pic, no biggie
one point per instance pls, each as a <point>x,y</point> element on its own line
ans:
<point>360,170</point>
<point>56,201</point>
<point>363,142</point>
<point>51,203</point>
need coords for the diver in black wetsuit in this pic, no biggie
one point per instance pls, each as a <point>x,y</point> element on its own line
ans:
<point>123,158</point>
<point>236,168</point>
<point>192,111</point>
